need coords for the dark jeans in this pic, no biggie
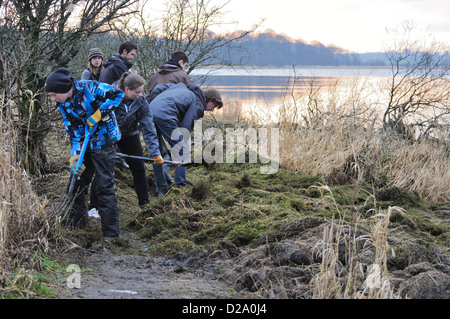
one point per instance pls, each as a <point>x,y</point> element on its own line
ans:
<point>131,145</point>
<point>165,129</point>
<point>101,162</point>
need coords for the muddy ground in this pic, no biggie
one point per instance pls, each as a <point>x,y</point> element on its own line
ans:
<point>110,275</point>
<point>237,234</point>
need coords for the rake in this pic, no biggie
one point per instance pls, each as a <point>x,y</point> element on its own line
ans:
<point>68,198</point>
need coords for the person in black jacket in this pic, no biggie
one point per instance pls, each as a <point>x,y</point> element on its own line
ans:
<point>133,114</point>
<point>118,64</point>
<point>172,71</point>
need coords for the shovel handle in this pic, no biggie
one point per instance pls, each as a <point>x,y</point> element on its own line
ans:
<point>87,136</point>
<point>151,159</point>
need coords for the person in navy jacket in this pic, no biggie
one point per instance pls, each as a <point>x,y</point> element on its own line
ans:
<point>176,106</point>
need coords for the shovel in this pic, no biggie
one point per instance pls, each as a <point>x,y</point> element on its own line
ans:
<point>121,155</point>
<point>66,205</point>
<point>149,159</point>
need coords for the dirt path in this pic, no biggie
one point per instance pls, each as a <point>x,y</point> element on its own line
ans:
<point>106,274</point>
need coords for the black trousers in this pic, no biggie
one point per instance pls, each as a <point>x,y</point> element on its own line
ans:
<point>101,163</point>
<point>131,145</point>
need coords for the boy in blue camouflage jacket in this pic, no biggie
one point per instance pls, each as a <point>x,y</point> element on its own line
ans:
<point>87,105</point>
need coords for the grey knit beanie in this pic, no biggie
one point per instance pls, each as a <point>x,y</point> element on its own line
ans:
<point>95,52</point>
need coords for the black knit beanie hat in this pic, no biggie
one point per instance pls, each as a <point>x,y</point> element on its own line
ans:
<point>59,81</point>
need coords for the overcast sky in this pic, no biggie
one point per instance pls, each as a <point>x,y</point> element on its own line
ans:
<point>356,25</point>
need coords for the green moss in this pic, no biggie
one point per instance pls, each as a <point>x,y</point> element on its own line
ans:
<point>238,204</point>
<point>291,225</point>
<point>167,224</point>
<point>226,200</point>
<point>401,257</point>
<point>171,246</point>
<point>313,193</point>
<point>250,232</point>
<point>395,196</point>
<point>200,190</point>
<point>244,181</point>
<point>376,178</point>
<point>293,179</point>
<point>298,204</point>
<point>427,225</point>
<point>352,194</point>
<point>243,234</point>
<point>212,234</point>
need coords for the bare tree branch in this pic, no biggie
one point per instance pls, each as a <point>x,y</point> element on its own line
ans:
<point>418,88</point>
<point>186,26</point>
<point>37,36</point>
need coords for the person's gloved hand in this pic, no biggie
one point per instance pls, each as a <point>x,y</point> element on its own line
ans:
<point>94,118</point>
<point>73,165</point>
<point>158,160</point>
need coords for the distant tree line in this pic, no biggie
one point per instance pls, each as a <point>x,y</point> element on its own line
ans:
<point>270,49</point>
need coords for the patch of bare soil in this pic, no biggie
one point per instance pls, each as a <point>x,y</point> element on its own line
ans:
<point>107,273</point>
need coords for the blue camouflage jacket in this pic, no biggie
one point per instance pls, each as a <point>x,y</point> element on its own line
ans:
<point>88,96</point>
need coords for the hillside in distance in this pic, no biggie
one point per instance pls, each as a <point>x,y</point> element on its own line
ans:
<point>270,49</point>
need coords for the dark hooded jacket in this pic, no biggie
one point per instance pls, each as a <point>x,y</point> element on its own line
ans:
<point>179,103</point>
<point>170,72</point>
<point>114,67</point>
<point>135,116</point>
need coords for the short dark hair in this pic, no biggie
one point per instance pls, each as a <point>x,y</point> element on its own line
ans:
<point>127,45</point>
<point>179,55</point>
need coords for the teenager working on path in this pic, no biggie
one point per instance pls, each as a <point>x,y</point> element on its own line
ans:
<point>114,67</point>
<point>176,106</point>
<point>133,114</point>
<point>172,71</point>
<point>87,106</point>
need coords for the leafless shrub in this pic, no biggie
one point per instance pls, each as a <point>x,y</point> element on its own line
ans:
<point>418,90</point>
<point>24,226</point>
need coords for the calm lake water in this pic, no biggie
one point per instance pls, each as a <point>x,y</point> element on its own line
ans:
<point>271,84</point>
<point>268,88</point>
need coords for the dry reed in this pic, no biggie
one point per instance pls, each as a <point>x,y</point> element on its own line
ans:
<point>351,277</point>
<point>24,228</point>
<point>338,133</point>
